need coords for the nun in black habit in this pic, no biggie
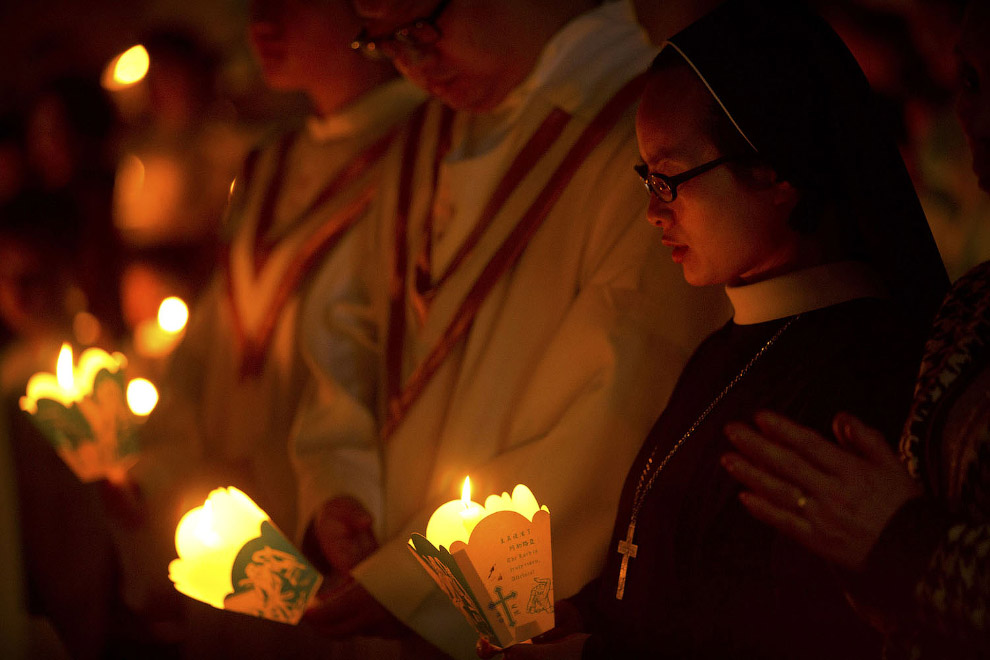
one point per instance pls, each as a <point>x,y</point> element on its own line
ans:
<point>769,175</point>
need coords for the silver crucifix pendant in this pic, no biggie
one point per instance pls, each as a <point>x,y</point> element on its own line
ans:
<point>628,551</point>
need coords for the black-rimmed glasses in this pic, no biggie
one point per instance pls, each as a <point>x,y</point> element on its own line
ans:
<point>417,34</point>
<point>664,187</point>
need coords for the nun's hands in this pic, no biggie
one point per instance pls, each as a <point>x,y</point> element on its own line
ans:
<point>834,500</point>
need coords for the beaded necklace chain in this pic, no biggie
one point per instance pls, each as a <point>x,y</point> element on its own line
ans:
<point>649,474</point>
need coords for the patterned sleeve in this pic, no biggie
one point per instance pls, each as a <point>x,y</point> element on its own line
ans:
<point>931,579</point>
<point>936,550</point>
<point>954,591</point>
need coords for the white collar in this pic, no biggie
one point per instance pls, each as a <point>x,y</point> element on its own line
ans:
<point>376,109</point>
<point>803,291</point>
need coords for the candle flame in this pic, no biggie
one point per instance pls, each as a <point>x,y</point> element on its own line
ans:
<point>131,66</point>
<point>63,368</point>
<point>126,69</point>
<point>142,396</point>
<point>466,492</point>
<point>173,314</point>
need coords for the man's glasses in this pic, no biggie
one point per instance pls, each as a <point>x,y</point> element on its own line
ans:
<point>417,34</point>
<point>664,187</point>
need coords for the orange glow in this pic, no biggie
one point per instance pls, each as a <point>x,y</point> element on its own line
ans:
<point>86,328</point>
<point>130,178</point>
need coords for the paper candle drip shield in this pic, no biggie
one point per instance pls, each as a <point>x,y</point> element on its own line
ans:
<point>83,411</point>
<point>232,557</point>
<point>494,562</point>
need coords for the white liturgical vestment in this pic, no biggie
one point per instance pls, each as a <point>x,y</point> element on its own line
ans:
<point>238,376</point>
<point>570,357</point>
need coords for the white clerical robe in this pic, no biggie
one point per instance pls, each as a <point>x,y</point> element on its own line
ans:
<point>571,356</point>
<point>238,376</point>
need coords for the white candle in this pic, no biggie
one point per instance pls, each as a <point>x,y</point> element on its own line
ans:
<point>455,520</point>
<point>208,539</point>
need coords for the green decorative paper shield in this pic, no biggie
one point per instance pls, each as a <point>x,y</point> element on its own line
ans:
<point>271,579</point>
<point>97,435</point>
<point>231,556</point>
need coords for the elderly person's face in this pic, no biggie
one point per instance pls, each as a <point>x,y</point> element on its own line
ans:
<point>485,47</point>
<point>721,230</point>
<point>973,100</point>
<point>296,41</point>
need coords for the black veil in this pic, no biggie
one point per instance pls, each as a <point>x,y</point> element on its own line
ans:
<point>797,95</point>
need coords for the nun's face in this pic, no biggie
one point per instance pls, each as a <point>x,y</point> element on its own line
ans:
<point>721,230</point>
<point>973,101</point>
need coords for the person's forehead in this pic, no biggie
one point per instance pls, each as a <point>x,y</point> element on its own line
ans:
<point>672,116</point>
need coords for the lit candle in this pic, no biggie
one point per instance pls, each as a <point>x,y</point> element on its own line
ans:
<point>208,539</point>
<point>232,557</point>
<point>455,520</point>
<point>70,384</point>
<point>82,410</point>
<point>494,562</point>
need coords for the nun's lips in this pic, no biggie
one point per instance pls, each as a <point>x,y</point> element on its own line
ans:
<point>678,250</point>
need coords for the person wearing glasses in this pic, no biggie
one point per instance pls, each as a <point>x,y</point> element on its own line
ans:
<point>530,327</point>
<point>768,175</point>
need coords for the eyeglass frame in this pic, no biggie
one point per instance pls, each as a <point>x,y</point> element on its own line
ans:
<point>643,170</point>
<point>370,46</point>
